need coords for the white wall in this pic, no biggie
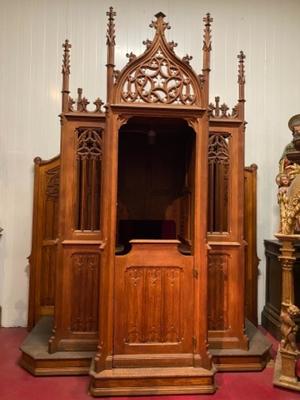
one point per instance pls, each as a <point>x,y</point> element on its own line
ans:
<point>31,34</point>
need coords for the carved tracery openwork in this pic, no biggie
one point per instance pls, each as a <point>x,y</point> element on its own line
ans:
<point>89,144</point>
<point>88,181</point>
<point>218,172</point>
<point>218,151</point>
<point>158,80</point>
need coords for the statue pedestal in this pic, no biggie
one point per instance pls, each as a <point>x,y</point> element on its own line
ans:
<point>288,353</point>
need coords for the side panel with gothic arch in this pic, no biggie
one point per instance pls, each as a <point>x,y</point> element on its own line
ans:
<point>226,236</point>
<point>80,235</point>
<point>42,260</point>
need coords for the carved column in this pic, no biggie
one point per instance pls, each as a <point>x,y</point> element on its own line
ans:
<point>288,181</point>
<point>288,354</point>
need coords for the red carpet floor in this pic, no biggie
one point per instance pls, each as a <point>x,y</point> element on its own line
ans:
<point>17,384</point>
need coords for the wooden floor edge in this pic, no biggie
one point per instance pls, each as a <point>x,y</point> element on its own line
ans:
<point>241,368</point>
<point>288,385</point>
<point>151,391</point>
<point>33,366</point>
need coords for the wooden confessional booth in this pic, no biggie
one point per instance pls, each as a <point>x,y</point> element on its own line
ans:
<point>138,232</point>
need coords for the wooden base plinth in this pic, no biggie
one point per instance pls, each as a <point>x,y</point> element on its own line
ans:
<point>37,360</point>
<point>151,381</point>
<point>253,359</point>
<point>287,382</point>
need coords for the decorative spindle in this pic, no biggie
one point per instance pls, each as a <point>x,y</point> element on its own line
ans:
<point>65,73</point>
<point>206,53</point>
<point>186,59</point>
<point>224,109</point>
<point>172,45</point>
<point>98,103</point>
<point>217,107</point>
<point>147,43</point>
<point>241,81</point>
<point>79,98</point>
<point>235,111</point>
<point>82,102</point>
<point>71,102</point>
<point>131,56</point>
<point>211,109</point>
<point>110,42</point>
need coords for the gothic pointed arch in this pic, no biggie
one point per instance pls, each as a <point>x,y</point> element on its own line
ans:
<point>158,76</point>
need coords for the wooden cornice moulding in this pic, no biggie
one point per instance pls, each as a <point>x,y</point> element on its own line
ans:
<point>79,116</point>
<point>224,244</point>
<point>234,122</point>
<point>87,242</point>
<point>154,110</point>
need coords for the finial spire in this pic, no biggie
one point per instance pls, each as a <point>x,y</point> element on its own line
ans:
<point>207,32</point>
<point>241,81</point>
<point>206,53</point>
<point>65,73</point>
<point>110,42</point>
<point>160,25</point>
<point>241,73</point>
<point>111,27</point>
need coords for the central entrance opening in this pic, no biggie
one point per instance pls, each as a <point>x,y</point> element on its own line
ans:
<point>153,264</point>
<point>155,181</point>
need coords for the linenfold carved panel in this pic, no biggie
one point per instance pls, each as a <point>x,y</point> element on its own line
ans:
<point>49,254</point>
<point>158,317</point>
<point>217,291</point>
<point>158,80</point>
<point>84,288</point>
<point>52,176</point>
<point>51,203</point>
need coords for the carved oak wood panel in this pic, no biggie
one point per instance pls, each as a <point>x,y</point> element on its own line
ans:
<point>153,309</point>
<point>227,220</point>
<point>225,306</point>
<point>77,278</point>
<point>250,228</point>
<point>84,288</point>
<point>48,263</point>
<point>44,239</point>
<point>218,291</point>
<point>158,291</point>
<point>76,328</point>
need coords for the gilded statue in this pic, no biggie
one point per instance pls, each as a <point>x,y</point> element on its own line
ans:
<point>288,181</point>
<point>289,328</point>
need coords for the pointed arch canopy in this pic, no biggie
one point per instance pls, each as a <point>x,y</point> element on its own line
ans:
<point>158,76</point>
